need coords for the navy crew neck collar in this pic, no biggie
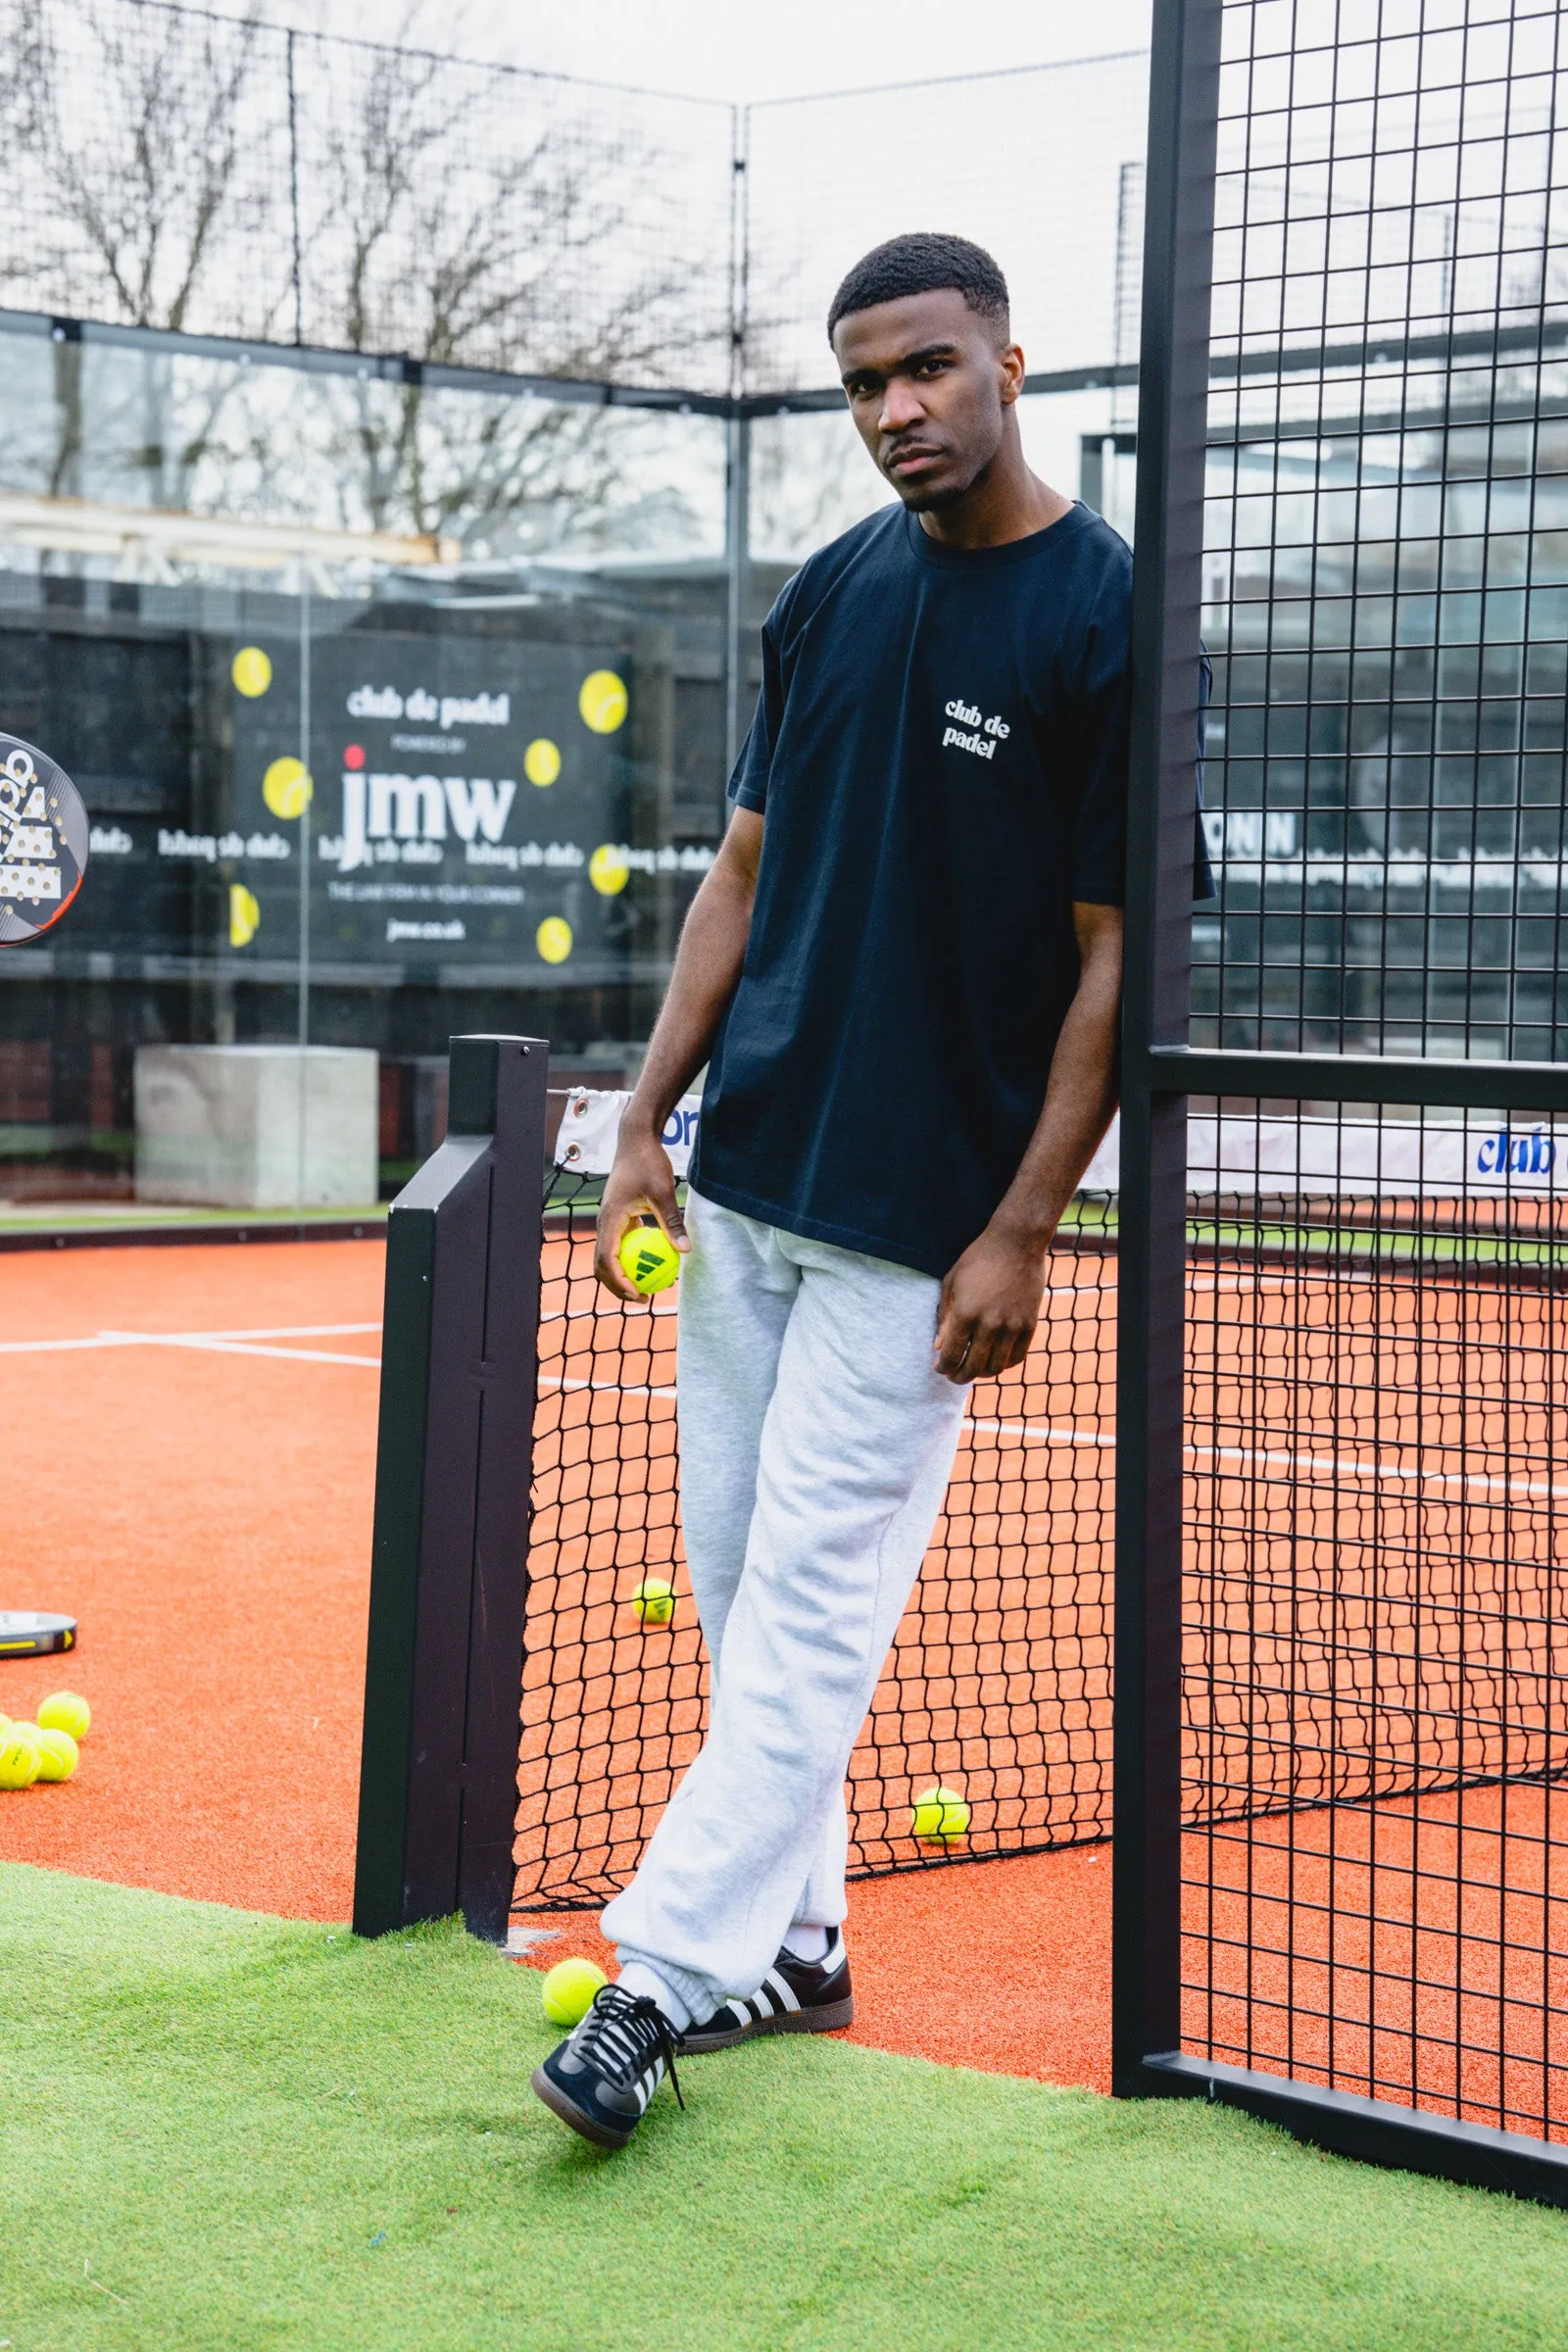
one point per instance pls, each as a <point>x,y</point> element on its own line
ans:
<point>984,559</point>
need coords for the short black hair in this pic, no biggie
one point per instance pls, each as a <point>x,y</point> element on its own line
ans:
<point>920,264</point>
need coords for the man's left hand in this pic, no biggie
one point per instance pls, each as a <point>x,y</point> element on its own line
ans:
<point>989,1306</point>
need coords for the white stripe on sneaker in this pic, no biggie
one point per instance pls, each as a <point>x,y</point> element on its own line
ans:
<point>783,1993</point>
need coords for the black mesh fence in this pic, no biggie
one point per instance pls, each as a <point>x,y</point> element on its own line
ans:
<point>1374,1719</point>
<point>1043,167</point>
<point>221,176</point>
<point>173,169</point>
<point>1376,1703</point>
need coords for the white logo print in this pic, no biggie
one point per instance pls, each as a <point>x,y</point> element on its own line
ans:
<point>988,732</point>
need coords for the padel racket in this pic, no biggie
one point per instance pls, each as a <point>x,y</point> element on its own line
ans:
<point>33,1633</point>
<point>43,841</point>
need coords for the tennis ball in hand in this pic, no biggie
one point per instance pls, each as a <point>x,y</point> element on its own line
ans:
<point>655,1600</point>
<point>649,1258</point>
<point>20,1756</point>
<point>64,1711</point>
<point>939,1814</point>
<point>569,1991</point>
<point>57,1755</point>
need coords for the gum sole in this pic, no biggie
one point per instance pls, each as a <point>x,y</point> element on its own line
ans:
<point>793,2021</point>
<point>574,2119</point>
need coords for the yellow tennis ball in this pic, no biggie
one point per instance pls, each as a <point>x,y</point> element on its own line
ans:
<point>20,1756</point>
<point>939,1815</point>
<point>552,939</point>
<point>649,1258</point>
<point>251,670</point>
<point>287,788</point>
<point>58,1756</point>
<point>540,761</point>
<point>607,870</point>
<point>65,1711</point>
<point>603,702</point>
<point>568,1992</point>
<point>655,1600</point>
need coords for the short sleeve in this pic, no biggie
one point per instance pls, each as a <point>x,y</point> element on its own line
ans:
<point>1103,725</point>
<point>747,785</point>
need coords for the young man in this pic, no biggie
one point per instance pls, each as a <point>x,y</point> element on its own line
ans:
<point>904,974</point>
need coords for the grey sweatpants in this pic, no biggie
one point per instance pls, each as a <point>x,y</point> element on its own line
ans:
<point>817,1443</point>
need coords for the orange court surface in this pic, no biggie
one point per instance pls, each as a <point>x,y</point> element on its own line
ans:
<point>207,1418</point>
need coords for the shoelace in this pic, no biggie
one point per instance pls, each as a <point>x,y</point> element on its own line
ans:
<point>622,2032</point>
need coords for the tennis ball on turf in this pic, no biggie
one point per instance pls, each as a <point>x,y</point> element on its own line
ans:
<point>569,1991</point>
<point>939,1814</point>
<point>64,1711</point>
<point>57,1755</point>
<point>20,1756</point>
<point>649,1259</point>
<point>655,1600</point>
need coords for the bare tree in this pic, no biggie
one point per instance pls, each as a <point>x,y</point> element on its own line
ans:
<point>472,216</point>
<point>459,214</point>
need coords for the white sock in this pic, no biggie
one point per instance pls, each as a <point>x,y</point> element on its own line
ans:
<point>637,1978</point>
<point>808,1942</point>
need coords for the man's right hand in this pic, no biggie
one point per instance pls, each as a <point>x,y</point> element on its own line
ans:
<point>641,1182</point>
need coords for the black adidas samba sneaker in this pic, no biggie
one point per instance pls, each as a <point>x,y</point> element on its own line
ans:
<point>602,2077</point>
<point>796,1996</point>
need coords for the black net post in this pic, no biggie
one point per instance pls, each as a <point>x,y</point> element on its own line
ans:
<point>438,1785</point>
<point>1173,389</point>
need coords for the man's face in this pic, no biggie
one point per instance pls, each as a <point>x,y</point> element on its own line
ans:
<point>929,382</point>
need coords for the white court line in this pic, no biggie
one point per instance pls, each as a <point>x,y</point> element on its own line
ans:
<point>1042,1435</point>
<point>208,1343</point>
<point>217,1343</point>
<point>620,1388</point>
<point>248,1343</point>
<point>1335,1465</point>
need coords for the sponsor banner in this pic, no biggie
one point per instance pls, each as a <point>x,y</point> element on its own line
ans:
<point>1464,1156</point>
<point>469,800</point>
<point>1316,1157</point>
<point>591,1122</point>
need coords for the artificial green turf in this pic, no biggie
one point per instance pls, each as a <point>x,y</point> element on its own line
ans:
<point>232,2132</point>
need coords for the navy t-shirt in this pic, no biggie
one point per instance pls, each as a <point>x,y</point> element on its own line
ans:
<point>941,749</point>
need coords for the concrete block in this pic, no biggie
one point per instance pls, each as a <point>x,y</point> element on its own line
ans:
<point>221,1125</point>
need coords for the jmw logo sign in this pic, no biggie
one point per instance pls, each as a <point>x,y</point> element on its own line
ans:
<point>418,809</point>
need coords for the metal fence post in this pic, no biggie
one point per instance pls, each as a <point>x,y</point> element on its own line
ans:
<point>1168,588</point>
<point>438,1785</point>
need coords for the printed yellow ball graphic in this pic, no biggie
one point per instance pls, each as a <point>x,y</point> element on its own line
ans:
<point>552,939</point>
<point>244,915</point>
<point>287,788</point>
<point>608,869</point>
<point>251,670</point>
<point>603,702</point>
<point>540,761</point>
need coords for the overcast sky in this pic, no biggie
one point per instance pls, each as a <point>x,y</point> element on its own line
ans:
<point>739,49</point>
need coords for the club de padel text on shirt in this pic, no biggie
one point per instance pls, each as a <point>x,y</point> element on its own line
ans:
<point>941,749</point>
